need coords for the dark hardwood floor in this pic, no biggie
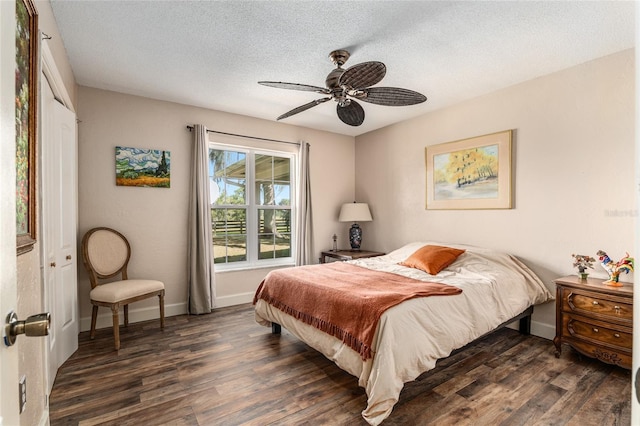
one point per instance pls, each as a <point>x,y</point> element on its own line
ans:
<point>224,369</point>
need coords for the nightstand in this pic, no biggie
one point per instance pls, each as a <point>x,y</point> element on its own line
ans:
<point>595,319</point>
<point>343,255</point>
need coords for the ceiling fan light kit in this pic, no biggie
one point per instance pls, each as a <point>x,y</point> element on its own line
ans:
<point>345,86</point>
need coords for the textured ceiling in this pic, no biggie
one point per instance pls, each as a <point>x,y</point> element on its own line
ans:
<point>211,54</point>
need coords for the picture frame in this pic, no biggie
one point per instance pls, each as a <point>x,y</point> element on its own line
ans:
<point>473,173</point>
<point>26,116</point>
<point>143,167</point>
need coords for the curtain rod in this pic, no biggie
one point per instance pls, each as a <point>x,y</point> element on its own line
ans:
<point>190,128</point>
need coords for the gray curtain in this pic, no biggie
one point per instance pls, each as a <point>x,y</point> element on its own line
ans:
<point>304,219</point>
<point>201,278</point>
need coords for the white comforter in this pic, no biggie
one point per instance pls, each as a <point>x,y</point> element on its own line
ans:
<point>412,336</point>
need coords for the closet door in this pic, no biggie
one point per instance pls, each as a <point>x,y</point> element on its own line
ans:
<point>59,228</point>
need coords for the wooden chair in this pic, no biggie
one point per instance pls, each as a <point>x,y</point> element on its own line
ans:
<point>106,253</point>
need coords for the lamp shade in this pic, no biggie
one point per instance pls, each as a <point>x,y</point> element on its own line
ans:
<point>355,212</point>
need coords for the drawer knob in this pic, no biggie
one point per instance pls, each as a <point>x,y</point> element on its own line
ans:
<point>595,302</point>
<point>617,308</point>
<point>595,330</point>
<point>616,335</point>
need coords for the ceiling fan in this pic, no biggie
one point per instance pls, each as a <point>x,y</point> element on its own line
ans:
<point>345,86</point>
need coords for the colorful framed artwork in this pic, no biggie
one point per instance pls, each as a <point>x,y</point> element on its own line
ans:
<point>26,115</point>
<point>472,173</point>
<point>143,167</point>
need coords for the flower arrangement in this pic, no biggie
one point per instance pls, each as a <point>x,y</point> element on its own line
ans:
<point>582,262</point>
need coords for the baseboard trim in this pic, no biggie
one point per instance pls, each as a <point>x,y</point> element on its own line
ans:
<point>150,313</point>
<point>44,419</point>
<point>236,299</point>
<point>543,330</point>
<point>538,329</point>
<point>135,315</point>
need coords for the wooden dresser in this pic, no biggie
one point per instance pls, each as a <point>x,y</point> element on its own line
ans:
<point>595,319</point>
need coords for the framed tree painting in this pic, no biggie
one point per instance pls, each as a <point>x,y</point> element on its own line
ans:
<point>26,115</point>
<point>472,173</point>
<point>143,167</point>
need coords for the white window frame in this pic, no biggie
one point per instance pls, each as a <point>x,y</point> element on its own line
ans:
<point>252,207</point>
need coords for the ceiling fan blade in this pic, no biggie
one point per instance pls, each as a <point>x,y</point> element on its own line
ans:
<point>295,86</point>
<point>390,96</point>
<point>363,75</point>
<point>303,107</point>
<point>351,114</point>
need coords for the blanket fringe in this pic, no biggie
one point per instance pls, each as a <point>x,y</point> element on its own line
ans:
<point>359,346</point>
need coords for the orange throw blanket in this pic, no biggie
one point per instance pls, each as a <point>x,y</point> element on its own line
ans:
<point>341,299</point>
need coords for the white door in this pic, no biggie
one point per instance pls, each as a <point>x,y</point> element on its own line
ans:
<point>9,414</point>
<point>59,224</point>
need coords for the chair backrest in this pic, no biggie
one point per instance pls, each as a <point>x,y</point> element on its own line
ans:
<point>105,253</point>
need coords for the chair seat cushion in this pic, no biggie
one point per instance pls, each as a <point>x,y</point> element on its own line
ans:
<point>122,290</point>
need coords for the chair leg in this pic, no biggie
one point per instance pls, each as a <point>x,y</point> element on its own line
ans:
<point>161,297</point>
<point>116,326</point>
<point>126,315</point>
<point>94,317</point>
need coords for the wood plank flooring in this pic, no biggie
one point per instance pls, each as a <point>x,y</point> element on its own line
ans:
<point>224,369</point>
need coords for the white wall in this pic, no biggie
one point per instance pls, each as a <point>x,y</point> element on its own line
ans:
<point>574,172</point>
<point>155,219</point>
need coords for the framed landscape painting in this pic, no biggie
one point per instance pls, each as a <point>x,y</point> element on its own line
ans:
<point>26,115</point>
<point>472,173</point>
<point>143,167</point>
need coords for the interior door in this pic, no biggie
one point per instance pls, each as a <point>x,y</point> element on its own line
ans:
<point>8,297</point>
<point>67,294</point>
<point>47,233</point>
<point>9,414</point>
<point>59,228</point>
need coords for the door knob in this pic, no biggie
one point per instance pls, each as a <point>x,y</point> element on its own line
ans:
<point>35,325</point>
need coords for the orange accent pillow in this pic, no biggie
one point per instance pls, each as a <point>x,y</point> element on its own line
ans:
<point>432,259</point>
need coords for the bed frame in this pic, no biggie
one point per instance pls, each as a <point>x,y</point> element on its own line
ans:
<point>524,319</point>
<point>524,326</point>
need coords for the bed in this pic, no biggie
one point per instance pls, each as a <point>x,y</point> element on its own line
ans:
<point>409,337</point>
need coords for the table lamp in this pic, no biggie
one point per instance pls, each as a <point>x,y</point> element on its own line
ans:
<point>355,212</point>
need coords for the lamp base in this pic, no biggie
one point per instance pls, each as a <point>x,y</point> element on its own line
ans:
<point>355,236</point>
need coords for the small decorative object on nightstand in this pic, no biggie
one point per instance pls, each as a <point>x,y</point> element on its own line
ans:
<point>343,255</point>
<point>613,269</point>
<point>582,262</point>
<point>595,319</point>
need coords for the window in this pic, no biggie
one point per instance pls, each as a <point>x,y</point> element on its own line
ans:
<point>251,206</point>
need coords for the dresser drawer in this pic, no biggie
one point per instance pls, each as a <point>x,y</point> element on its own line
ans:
<point>598,332</point>
<point>605,307</point>
<point>604,354</point>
